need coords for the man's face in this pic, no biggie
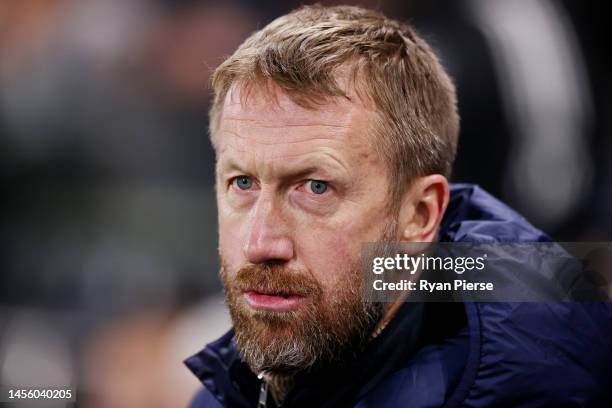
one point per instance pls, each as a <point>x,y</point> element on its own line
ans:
<point>298,191</point>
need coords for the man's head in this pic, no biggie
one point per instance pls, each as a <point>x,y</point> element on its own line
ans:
<point>332,127</point>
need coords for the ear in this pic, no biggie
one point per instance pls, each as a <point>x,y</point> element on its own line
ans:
<point>422,208</point>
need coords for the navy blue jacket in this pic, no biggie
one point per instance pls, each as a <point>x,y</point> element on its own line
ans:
<point>457,354</point>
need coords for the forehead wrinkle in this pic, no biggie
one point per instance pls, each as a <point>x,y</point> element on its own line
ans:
<point>306,139</point>
<point>282,110</point>
<point>265,159</point>
<point>337,150</point>
<point>278,125</point>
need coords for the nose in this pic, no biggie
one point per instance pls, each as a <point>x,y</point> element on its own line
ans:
<point>268,237</point>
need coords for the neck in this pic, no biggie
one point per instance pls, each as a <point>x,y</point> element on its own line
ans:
<point>279,386</point>
<point>390,313</point>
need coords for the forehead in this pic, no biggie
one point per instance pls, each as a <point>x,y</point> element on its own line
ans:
<point>267,115</point>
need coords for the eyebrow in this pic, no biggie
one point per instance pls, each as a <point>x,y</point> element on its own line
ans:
<point>329,169</point>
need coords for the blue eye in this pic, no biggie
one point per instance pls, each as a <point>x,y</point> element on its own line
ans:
<point>243,182</point>
<point>317,186</point>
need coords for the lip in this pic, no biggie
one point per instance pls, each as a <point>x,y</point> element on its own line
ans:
<point>272,302</point>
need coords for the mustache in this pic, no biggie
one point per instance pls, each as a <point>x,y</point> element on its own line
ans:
<point>274,278</point>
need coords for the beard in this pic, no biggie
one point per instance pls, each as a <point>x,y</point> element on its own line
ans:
<point>323,330</point>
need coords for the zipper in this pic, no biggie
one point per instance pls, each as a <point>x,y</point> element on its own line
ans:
<point>263,392</point>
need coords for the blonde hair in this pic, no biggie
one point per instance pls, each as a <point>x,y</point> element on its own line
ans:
<point>391,67</point>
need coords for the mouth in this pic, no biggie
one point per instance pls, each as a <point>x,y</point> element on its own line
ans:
<point>273,302</point>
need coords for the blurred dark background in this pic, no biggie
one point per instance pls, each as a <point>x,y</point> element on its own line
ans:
<point>108,236</point>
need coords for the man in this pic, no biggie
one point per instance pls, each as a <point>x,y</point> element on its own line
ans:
<point>334,127</point>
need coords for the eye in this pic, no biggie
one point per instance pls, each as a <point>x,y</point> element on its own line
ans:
<point>243,182</point>
<point>317,186</point>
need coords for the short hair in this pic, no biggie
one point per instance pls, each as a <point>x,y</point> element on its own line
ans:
<point>391,67</point>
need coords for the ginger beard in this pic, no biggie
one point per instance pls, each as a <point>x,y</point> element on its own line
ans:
<point>320,331</point>
<point>327,328</point>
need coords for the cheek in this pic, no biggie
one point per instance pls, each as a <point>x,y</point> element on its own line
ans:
<point>230,245</point>
<point>332,254</point>
<point>330,257</point>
